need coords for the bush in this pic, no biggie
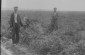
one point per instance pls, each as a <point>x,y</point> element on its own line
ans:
<point>46,44</point>
<point>26,36</point>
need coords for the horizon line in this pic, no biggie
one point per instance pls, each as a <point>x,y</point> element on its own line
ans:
<point>38,10</point>
<point>64,9</point>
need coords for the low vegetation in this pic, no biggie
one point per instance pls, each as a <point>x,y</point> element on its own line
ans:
<point>69,39</point>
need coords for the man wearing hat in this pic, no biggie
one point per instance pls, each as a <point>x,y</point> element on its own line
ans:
<point>15,23</point>
<point>54,21</point>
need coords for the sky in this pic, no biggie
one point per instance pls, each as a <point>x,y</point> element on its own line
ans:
<point>61,5</point>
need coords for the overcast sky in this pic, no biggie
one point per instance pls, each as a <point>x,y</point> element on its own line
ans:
<point>62,5</point>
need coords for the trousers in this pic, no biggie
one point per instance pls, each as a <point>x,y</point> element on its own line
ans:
<point>15,37</point>
<point>53,26</point>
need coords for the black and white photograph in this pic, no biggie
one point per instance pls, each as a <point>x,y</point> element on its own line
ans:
<point>42,27</point>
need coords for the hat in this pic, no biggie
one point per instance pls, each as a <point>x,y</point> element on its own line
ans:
<point>55,8</point>
<point>16,7</point>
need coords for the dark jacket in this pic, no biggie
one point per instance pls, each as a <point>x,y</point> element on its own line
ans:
<point>12,21</point>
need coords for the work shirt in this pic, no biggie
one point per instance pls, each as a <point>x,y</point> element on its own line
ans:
<point>54,14</point>
<point>54,17</point>
<point>15,17</point>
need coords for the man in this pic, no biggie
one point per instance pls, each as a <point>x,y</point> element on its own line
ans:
<point>54,24</point>
<point>15,23</point>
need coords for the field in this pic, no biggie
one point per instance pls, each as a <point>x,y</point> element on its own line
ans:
<point>69,39</point>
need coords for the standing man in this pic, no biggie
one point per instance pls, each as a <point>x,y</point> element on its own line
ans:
<point>15,23</point>
<point>54,21</point>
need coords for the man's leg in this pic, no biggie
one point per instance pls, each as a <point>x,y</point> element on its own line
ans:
<point>17,35</point>
<point>51,28</point>
<point>13,37</point>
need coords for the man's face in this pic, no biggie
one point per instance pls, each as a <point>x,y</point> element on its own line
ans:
<point>15,9</point>
<point>55,9</point>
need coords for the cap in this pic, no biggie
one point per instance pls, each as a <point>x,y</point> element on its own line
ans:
<point>16,7</point>
<point>55,8</point>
